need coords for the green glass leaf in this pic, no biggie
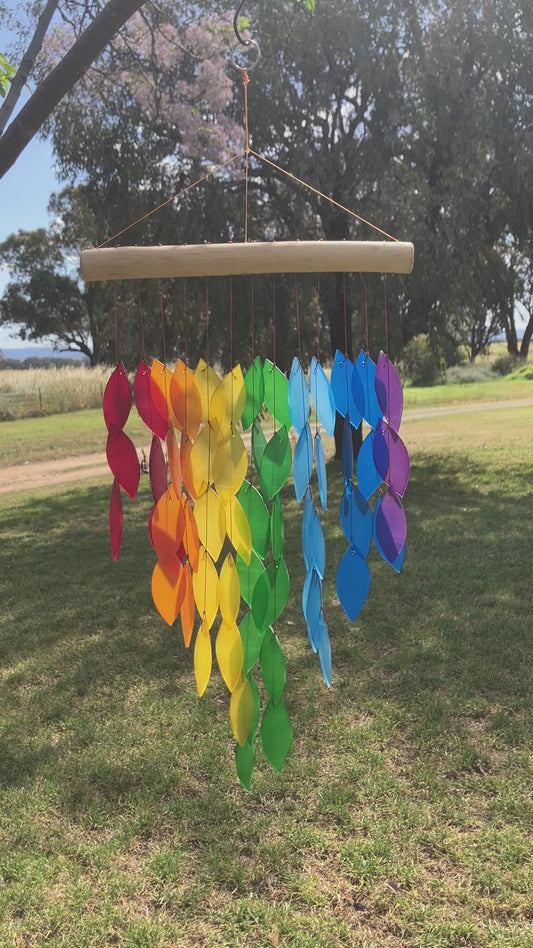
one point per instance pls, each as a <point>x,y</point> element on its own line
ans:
<point>276,734</point>
<point>252,641</point>
<point>257,515</point>
<point>255,393</point>
<point>257,709</point>
<point>244,763</point>
<point>273,670</point>
<point>248,575</point>
<point>258,444</point>
<point>277,529</point>
<point>277,393</point>
<point>275,464</point>
<point>270,595</point>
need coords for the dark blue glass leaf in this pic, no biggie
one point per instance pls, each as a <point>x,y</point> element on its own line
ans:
<point>302,465</point>
<point>390,526</point>
<point>398,562</point>
<point>347,450</point>
<point>320,462</point>
<point>368,478</point>
<point>356,400</point>
<point>322,397</point>
<point>324,651</point>
<point>317,544</point>
<point>356,519</point>
<point>309,510</point>
<point>380,449</point>
<point>341,381</point>
<point>366,370</point>
<point>298,396</point>
<point>353,583</point>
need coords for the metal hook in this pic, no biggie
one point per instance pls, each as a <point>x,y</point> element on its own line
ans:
<point>250,44</point>
<point>242,41</point>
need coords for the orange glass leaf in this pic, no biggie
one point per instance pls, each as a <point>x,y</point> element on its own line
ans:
<point>238,529</point>
<point>202,457</point>
<point>167,525</point>
<point>115,519</point>
<point>230,465</point>
<point>144,402</point>
<point>160,382</point>
<point>211,522</point>
<point>203,658</point>
<point>206,382</point>
<point>229,654</point>
<point>188,608</point>
<point>186,471</point>
<point>191,540</point>
<point>229,590</point>
<point>185,398</point>
<point>168,589</point>
<point>228,400</point>
<point>241,711</point>
<point>205,585</point>
<point>123,461</point>
<point>174,462</point>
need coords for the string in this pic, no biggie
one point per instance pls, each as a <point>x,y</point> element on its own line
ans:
<point>246,80</point>
<point>253,320</point>
<point>344,312</point>
<point>185,321</point>
<point>163,339</point>
<point>318,320</point>
<point>365,310</point>
<point>115,319</point>
<point>386,316</point>
<point>207,320</point>
<point>141,322</point>
<point>274,348</point>
<point>231,323</point>
<point>297,310</point>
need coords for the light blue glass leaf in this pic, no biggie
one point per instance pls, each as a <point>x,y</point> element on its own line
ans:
<point>317,545</point>
<point>302,465</point>
<point>367,476</point>
<point>313,609</point>
<point>398,562</point>
<point>366,370</point>
<point>298,396</point>
<point>320,462</point>
<point>390,526</point>
<point>356,399</point>
<point>353,583</point>
<point>380,449</point>
<point>356,519</point>
<point>305,590</point>
<point>312,594</point>
<point>347,450</point>
<point>276,393</point>
<point>322,397</point>
<point>324,651</point>
<point>309,510</point>
<point>341,381</point>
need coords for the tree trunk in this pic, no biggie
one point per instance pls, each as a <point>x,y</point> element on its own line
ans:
<point>526,338</point>
<point>26,66</point>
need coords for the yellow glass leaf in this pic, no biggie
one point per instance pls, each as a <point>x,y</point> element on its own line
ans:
<point>160,381</point>
<point>186,471</point>
<point>168,589</point>
<point>228,400</point>
<point>229,654</point>
<point>211,522</point>
<point>230,465</point>
<point>241,711</point>
<point>191,540</point>
<point>229,591</point>
<point>173,458</point>
<point>207,381</point>
<point>238,529</point>
<point>185,398</point>
<point>205,586</point>
<point>187,607</point>
<point>203,658</point>
<point>202,457</point>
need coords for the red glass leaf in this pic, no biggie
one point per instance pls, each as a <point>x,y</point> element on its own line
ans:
<point>123,461</point>
<point>158,469</point>
<point>174,462</point>
<point>117,398</point>
<point>115,519</point>
<point>144,403</point>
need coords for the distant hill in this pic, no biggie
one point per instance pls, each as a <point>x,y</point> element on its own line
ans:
<point>39,352</point>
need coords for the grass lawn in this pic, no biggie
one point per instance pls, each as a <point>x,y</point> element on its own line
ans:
<point>403,817</point>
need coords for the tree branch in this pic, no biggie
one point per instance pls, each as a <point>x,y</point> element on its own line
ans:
<point>28,60</point>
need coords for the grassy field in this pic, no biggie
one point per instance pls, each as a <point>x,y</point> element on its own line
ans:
<point>403,817</point>
<point>28,392</point>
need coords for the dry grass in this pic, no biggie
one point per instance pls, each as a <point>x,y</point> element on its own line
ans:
<point>51,391</point>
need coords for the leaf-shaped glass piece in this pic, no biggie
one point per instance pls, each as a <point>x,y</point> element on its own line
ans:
<point>324,651</point>
<point>366,370</point>
<point>241,711</point>
<point>389,391</point>
<point>356,519</point>
<point>257,707</point>
<point>275,464</point>
<point>228,648</point>
<point>367,476</point>
<point>252,641</point>
<point>322,397</point>
<point>188,609</point>
<point>356,399</point>
<point>186,470</point>
<point>320,462</point>
<point>191,539</point>
<point>202,457</point>
<point>277,529</point>
<point>160,382</point>
<point>307,518</point>
<point>398,562</point>
<point>312,606</point>
<point>276,734</point>
<point>144,404</point>
<point>117,398</point>
<point>390,527</point>
<point>158,469</point>
<point>174,462</point>
<point>317,544</point>
<point>276,393</point>
<point>298,396</point>
<point>347,450</point>
<point>273,670</point>
<point>168,589</point>
<point>257,515</point>
<point>255,393</point>
<point>391,457</point>
<point>203,657</point>
<point>205,585</point>
<point>167,525</point>
<point>258,443</point>
<point>211,522</point>
<point>230,465</point>
<point>302,467</point>
<point>353,583</point>
<point>270,594</point>
<point>229,590</point>
<point>115,519</point>
<point>238,529</point>
<point>123,461</point>
<point>185,399</point>
<point>228,400</point>
<point>249,573</point>
<point>244,763</point>
<point>341,382</point>
<point>207,382</point>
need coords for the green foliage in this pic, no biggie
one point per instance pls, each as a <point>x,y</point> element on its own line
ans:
<point>422,362</point>
<point>505,364</point>
<point>7,72</point>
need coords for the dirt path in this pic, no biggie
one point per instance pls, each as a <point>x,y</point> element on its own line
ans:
<point>82,467</point>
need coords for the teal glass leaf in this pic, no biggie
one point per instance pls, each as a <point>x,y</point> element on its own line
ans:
<point>324,651</point>
<point>322,397</point>
<point>270,594</point>
<point>320,462</point>
<point>367,475</point>
<point>252,641</point>
<point>249,573</point>
<point>298,396</point>
<point>255,393</point>
<point>366,370</point>
<point>244,763</point>
<point>257,515</point>
<point>277,529</point>
<point>356,519</point>
<point>275,464</point>
<point>302,466</point>
<point>258,443</point>
<point>276,393</point>
<point>353,583</point>
<point>273,671</point>
<point>276,734</point>
<point>341,382</point>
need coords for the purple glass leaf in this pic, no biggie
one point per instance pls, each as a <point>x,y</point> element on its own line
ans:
<point>313,607</point>
<point>157,467</point>
<point>391,458</point>
<point>115,519</point>
<point>123,461</point>
<point>298,396</point>
<point>398,562</point>
<point>322,397</point>
<point>302,466</point>
<point>390,526</point>
<point>308,513</point>
<point>356,399</point>
<point>144,403</point>
<point>347,451</point>
<point>324,651</point>
<point>317,544</point>
<point>353,583</point>
<point>356,519</point>
<point>117,398</point>
<point>366,370</point>
<point>389,391</point>
<point>341,382</point>
<point>320,462</point>
<point>367,476</point>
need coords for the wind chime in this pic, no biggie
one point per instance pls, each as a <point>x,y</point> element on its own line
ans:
<point>216,524</point>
